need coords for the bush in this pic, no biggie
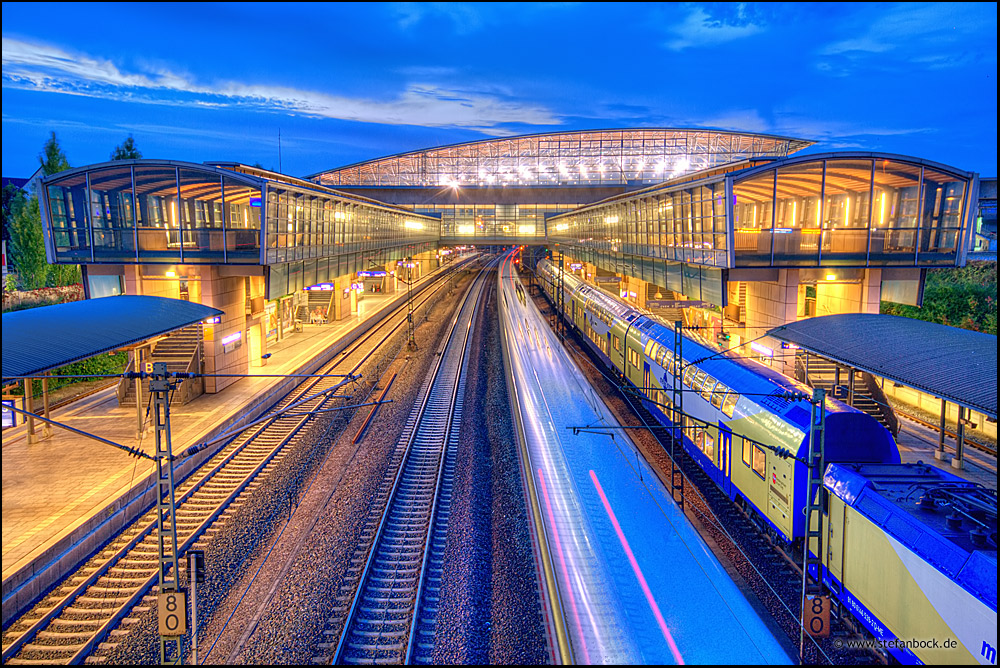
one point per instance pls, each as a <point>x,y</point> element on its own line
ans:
<point>965,297</point>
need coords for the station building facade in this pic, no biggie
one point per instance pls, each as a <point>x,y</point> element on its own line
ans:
<point>761,243</point>
<point>735,228</point>
<point>245,241</point>
<point>503,190</point>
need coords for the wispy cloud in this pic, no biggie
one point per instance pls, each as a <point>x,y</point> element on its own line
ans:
<point>41,67</point>
<point>934,35</point>
<point>701,28</point>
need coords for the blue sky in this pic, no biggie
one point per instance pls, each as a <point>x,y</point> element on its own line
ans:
<point>351,82</point>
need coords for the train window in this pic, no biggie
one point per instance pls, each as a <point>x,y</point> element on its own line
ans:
<point>759,458</point>
<point>729,404</point>
<point>617,343</point>
<point>706,390</point>
<point>720,392</point>
<point>689,374</point>
<point>698,380</point>
<point>747,450</point>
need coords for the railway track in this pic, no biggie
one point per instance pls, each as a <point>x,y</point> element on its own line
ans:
<point>387,607</point>
<point>79,613</point>
<point>987,448</point>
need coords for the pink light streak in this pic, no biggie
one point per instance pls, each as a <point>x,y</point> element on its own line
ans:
<point>638,573</point>
<point>562,561</point>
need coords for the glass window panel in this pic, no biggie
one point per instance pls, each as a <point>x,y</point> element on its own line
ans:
<point>798,213</point>
<point>752,219</point>
<point>846,212</point>
<point>941,220</point>
<point>68,212</point>
<point>759,461</point>
<point>895,211</point>
<point>157,213</point>
<point>200,215</point>
<point>111,207</point>
<point>242,221</point>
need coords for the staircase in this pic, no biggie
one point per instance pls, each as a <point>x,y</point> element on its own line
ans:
<point>320,298</point>
<point>868,396</point>
<point>181,351</point>
<point>670,315</point>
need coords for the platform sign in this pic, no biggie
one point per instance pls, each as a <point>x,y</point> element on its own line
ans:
<point>172,609</point>
<point>9,416</point>
<point>817,617</point>
<point>676,303</point>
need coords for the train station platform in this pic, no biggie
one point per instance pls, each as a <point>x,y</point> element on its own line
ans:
<point>65,494</point>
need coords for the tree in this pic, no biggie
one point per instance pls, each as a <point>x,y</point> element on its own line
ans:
<point>13,200</point>
<point>27,248</point>
<point>52,159</point>
<point>126,150</point>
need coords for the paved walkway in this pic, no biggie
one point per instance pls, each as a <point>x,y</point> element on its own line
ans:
<point>52,487</point>
<point>918,443</point>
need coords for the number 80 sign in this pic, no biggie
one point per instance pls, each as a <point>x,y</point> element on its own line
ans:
<point>172,609</point>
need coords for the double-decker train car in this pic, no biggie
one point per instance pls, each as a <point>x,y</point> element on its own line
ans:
<point>743,414</point>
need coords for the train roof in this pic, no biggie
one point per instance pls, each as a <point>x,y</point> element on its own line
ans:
<point>912,503</point>
<point>746,376</point>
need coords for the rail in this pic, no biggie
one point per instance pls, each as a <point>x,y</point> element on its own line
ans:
<point>383,614</point>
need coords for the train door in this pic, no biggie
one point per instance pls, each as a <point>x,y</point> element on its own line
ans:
<point>725,457</point>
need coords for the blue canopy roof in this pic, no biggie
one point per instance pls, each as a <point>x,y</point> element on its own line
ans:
<point>955,364</point>
<point>40,339</point>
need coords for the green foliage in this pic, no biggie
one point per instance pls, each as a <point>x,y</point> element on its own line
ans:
<point>63,274</point>
<point>52,159</point>
<point>126,150</point>
<point>964,297</point>
<point>27,248</point>
<point>13,200</point>
<point>101,365</point>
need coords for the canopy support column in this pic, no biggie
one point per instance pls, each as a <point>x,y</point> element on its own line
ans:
<point>939,453</point>
<point>46,428</point>
<point>959,461</point>
<point>29,405</point>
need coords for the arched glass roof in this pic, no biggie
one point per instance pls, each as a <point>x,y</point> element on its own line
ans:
<point>587,158</point>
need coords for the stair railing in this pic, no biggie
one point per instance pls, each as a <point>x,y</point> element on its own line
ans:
<point>882,401</point>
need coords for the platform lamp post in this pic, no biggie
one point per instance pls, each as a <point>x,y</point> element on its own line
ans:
<point>815,617</point>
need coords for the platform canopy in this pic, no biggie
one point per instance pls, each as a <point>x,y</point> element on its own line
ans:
<point>957,365</point>
<point>45,338</point>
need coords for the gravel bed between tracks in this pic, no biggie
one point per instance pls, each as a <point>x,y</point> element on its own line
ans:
<point>767,579</point>
<point>292,624</point>
<point>489,611</point>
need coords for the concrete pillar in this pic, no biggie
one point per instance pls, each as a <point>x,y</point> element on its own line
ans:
<point>771,304</point>
<point>871,291</point>
<point>46,428</point>
<point>959,461</point>
<point>29,405</point>
<point>939,453</point>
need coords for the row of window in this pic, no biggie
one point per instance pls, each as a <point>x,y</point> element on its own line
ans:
<point>833,211</point>
<point>713,391</point>
<point>687,225</point>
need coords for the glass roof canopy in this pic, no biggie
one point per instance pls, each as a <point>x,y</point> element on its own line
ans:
<point>589,158</point>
